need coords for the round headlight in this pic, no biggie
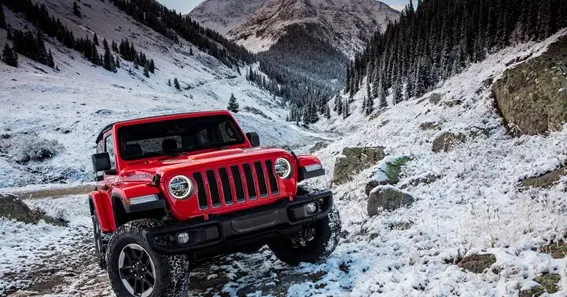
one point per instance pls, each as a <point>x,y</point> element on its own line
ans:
<point>181,187</point>
<point>282,168</point>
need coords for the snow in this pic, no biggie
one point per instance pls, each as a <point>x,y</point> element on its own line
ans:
<point>257,25</point>
<point>475,206</point>
<point>73,105</point>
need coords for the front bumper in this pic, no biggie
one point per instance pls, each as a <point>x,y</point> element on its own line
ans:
<point>225,234</point>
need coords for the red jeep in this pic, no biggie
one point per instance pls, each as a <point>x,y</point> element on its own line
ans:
<point>177,190</point>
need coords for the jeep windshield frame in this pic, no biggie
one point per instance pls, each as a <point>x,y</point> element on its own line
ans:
<point>175,137</point>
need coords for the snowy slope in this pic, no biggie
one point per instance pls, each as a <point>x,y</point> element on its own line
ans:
<point>475,206</point>
<point>222,15</point>
<point>258,25</point>
<point>71,106</point>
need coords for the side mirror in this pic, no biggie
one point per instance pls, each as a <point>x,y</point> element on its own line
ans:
<point>101,162</point>
<point>253,138</point>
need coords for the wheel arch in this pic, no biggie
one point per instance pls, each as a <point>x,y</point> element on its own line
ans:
<point>101,206</point>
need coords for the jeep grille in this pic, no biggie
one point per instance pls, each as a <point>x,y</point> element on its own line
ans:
<point>250,181</point>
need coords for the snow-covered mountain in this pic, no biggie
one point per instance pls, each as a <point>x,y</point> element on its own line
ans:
<point>60,112</point>
<point>259,24</point>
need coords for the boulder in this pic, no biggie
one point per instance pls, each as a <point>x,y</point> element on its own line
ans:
<point>12,208</point>
<point>447,141</point>
<point>556,250</point>
<point>387,199</point>
<point>354,160</point>
<point>318,146</point>
<point>435,98</point>
<point>545,181</point>
<point>547,284</point>
<point>532,97</point>
<point>388,173</point>
<point>477,263</point>
<point>427,179</point>
<point>430,126</point>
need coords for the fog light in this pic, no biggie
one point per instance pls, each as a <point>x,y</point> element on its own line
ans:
<point>183,238</point>
<point>310,208</point>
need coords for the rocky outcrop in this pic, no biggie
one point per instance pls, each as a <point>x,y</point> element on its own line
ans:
<point>532,97</point>
<point>477,263</point>
<point>556,250</point>
<point>447,141</point>
<point>435,98</point>
<point>388,173</point>
<point>387,199</point>
<point>545,181</point>
<point>547,284</point>
<point>429,126</point>
<point>12,208</point>
<point>318,146</point>
<point>355,159</point>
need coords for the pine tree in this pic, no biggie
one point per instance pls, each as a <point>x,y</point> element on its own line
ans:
<point>369,106</point>
<point>117,62</point>
<point>232,104</point>
<point>169,82</point>
<point>95,40</point>
<point>9,56</point>
<point>382,96</point>
<point>176,84</point>
<point>346,109</point>
<point>327,111</point>
<point>108,60</point>
<point>339,105</point>
<point>190,51</point>
<point>2,17</point>
<point>397,89</point>
<point>76,10</point>
<point>152,66</point>
<point>50,61</point>
<point>146,71</point>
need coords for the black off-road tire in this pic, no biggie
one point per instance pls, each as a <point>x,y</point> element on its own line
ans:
<point>318,249</point>
<point>100,242</point>
<point>171,271</point>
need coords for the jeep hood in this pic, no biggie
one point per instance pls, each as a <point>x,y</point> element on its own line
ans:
<point>144,171</point>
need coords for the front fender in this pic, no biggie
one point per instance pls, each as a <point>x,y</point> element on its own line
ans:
<point>309,167</point>
<point>103,210</point>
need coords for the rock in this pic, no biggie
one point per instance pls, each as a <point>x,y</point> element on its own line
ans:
<point>532,97</point>
<point>447,141</point>
<point>430,126</point>
<point>388,174</point>
<point>12,208</point>
<point>428,179</point>
<point>354,160</point>
<point>387,199</point>
<point>435,98</point>
<point>318,146</point>
<point>545,181</point>
<point>453,103</point>
<point>547,284</point>
<point>488,82</point>
<point>556,250</point>
<point>477,263</point>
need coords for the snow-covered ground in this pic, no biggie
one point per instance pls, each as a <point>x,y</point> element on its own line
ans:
<point>64,111</point>
<point>475,206</point>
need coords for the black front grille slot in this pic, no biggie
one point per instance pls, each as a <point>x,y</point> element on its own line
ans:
<point>249,181</point>
<point>201,194</point>
<point>238,184</point>
<point>261,179</point>
<point>213,188</point>
<point>272,177</point>
<point>225,186</point>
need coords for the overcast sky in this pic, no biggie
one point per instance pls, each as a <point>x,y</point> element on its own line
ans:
<point>185,6</point>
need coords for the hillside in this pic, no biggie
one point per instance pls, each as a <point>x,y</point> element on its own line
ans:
<point>59,112</point>
<point>467,200</point>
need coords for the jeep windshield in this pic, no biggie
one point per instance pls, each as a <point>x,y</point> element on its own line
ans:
<point>175,137</point>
